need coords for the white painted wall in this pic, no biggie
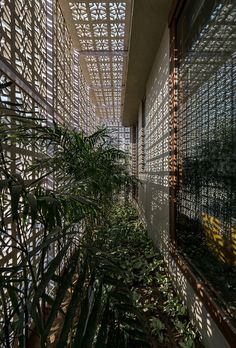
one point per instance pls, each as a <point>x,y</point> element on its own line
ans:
<point>154,195</point>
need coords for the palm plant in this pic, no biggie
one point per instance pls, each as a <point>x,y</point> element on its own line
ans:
<point>87,174</point>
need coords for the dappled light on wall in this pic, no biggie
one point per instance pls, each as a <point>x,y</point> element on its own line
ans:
<point>206,145</point>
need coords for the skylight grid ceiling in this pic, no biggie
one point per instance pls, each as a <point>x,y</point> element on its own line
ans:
<point>103,34</point>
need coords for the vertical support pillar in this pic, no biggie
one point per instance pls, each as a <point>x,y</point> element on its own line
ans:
<point>50,52</point>
<point>134,153</point>
<point>173,87</point>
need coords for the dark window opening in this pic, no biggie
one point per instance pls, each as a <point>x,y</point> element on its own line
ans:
<point>206,142</point>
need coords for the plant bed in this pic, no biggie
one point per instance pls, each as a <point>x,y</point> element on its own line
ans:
<point>137,305</point>
<point>86,246</point>
<point>163,316</point>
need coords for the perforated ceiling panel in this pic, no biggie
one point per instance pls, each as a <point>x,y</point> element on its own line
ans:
<point>102,30</point>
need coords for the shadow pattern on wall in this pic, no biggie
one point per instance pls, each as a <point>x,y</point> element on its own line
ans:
<point>206,199</point>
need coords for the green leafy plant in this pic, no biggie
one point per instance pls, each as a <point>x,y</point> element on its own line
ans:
<point>87,174</point>
<point>86,273</point>
<point>157,327</point>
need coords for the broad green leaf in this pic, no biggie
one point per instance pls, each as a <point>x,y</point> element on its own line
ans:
<point>12,291</point>
<point>73,305</point>
<point>103,331</point>
<point>89,335</point>
<point>16,191</point>
<point>52,267</point>
<point>5,85</point>
<point>43,245</point>
<point>10,103</point>
<point>65,283</point>
<point>33,207</point>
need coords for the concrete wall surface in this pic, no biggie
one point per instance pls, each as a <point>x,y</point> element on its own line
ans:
<point>154,194</point>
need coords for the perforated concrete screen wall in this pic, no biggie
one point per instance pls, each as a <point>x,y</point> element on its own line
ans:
<point>100,30</point>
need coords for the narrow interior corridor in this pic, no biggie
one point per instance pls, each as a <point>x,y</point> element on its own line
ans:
<point>118,173</point>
